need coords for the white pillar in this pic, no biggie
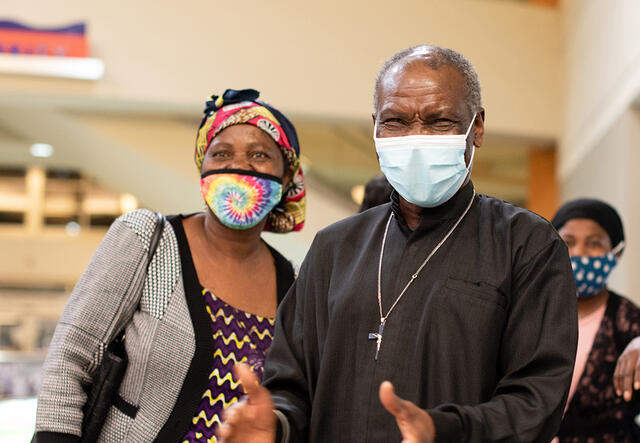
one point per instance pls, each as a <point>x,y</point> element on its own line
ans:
<point>34,215</point>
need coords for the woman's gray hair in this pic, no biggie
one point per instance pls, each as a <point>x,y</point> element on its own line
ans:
<point>438,57</point>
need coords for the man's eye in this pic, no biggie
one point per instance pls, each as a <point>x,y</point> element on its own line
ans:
<point>444,123</point>
<point>392,121</point>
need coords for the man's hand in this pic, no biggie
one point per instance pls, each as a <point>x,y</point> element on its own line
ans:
<point>416,425</point>
<point>251,419</point>
<point>626,377</point>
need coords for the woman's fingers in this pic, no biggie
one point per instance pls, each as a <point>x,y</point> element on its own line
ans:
<point>636,374</point>
<point>626,377</point>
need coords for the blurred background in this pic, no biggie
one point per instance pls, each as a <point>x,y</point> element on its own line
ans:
<point>100,102</point>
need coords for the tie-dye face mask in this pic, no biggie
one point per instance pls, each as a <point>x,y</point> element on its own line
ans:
<point>240,199</point>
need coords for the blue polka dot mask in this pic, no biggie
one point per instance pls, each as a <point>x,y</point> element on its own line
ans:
<point>591,273</point>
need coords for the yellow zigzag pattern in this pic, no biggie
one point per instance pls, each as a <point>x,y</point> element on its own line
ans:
<point>221,380</point>
<point>213,438</point>
<point>225,358</point>
<point>220,313</point>
<point>220,398</point>
<point>240,343</point>
<point>262,334</point>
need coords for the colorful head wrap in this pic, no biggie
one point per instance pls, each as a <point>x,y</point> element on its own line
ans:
<point>236,107</point>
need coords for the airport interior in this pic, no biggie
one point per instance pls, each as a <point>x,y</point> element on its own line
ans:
<point>88,136</point>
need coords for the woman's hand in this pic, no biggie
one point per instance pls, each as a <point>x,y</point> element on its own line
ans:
<point>626,377</point>
<point>416,425</point>
<point>251,419</point>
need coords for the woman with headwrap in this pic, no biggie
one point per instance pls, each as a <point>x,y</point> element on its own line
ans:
<point>209,297</point>
<point>607,323</point>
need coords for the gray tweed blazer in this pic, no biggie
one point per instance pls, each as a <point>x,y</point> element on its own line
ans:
<point>168,337</point>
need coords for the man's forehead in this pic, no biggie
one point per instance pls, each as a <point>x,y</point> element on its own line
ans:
<point>416,78</point>
<point>415,71</point>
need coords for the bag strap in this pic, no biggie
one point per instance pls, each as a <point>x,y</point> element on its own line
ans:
<point>153,245</point>
<point>155,238</point>
<point>135,302</point>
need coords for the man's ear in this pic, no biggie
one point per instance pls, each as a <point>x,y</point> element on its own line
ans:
<point>478,128</point>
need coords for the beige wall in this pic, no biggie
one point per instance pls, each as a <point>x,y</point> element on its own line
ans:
<point>311,58</point>
<point>49,258</point>
<point>602,58</point>
<point>599,146</point>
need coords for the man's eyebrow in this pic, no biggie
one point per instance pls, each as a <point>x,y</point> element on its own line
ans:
<point>444,111</point>
<point>393,111</point>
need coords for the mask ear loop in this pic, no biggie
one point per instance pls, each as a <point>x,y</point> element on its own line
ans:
<point>473,120</point>
<point>618,249</point>
<point>473,146</point>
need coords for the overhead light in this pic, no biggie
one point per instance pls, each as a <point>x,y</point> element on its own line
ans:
<point>128,203</point>
<point>42,150</point>
<point>72,228</point>
<point>82,68</point>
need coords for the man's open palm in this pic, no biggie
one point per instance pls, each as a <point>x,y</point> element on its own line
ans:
<point>416,425</point>
<point>252,419</point>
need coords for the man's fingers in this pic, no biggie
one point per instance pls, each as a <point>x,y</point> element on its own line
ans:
<point>389,399</point>
<point>232,416</point>
<point>248,379</point>
<point>636,375</point>
<point>415,424</point>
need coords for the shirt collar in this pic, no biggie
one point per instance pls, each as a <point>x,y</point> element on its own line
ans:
<point>432,217</point>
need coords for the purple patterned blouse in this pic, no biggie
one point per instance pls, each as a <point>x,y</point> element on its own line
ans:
<point>238,337</point>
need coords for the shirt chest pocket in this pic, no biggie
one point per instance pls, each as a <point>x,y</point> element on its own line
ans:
<point>479,293</point>
<point>464,314</point>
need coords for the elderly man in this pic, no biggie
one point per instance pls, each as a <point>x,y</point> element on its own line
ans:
<point>454,312</point>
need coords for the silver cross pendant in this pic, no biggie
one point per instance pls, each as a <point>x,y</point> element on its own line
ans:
<point>377,337</point>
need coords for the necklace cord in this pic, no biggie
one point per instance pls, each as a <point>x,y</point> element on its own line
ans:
<point>383,318</point>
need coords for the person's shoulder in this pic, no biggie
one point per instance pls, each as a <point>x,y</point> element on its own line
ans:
<point>137,217</point>
<point>626,307</point>
<point>142,223</point>
<point>510,212</point>
<point>524,233</point>
<point>625,315</point>
<point>516,220</point>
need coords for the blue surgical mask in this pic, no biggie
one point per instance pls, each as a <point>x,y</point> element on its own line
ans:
<point>426,170</point>
<point>591,273</point>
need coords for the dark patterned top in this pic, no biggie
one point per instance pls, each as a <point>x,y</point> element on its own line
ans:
<point>239,337</point>
<point>596,413</point>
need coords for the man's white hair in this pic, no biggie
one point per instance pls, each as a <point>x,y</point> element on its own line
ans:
<point>437,58</point>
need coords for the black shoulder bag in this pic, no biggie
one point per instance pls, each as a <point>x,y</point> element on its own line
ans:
<point>102,393</point>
